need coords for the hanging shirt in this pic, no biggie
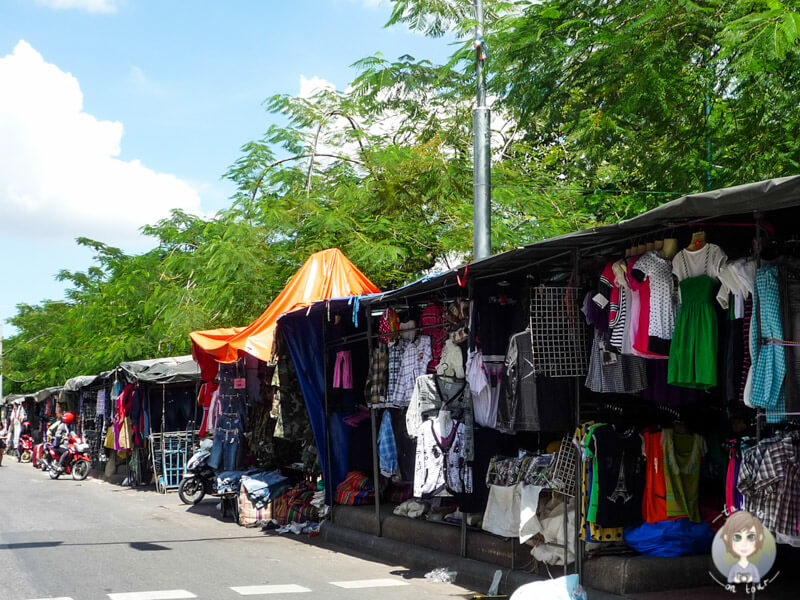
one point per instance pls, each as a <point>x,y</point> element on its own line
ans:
<point>414,363</point>
<point>683,454</point>
<point>708,260</point>
<point>396,351</point>
<point>441,466</point>
<point>378,375</point>
<point>663,307</point>
<point>432,393</point>
<point>387,446</point>
<point>484,402</point>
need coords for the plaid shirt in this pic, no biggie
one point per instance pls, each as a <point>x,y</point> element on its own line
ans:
<point>396,351</point>
<point>770,485</point>
<point>769,360</point>
<point>378,376</point>
<point>414,363</point>
<point>387,447</point>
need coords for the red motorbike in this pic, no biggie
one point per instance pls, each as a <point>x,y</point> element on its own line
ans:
<point>76,464</point>
<point>25,448</point>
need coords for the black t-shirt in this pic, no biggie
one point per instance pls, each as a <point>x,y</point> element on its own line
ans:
<point>620,475</point>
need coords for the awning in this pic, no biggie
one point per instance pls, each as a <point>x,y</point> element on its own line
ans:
<point>73,384</point>
<point>162,371</point>
<point>326,274</point>
<point>759,197</point>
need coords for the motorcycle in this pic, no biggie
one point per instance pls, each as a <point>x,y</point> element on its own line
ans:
<point>199,478</point>
<point>76,464</point>
<point>25,448</point>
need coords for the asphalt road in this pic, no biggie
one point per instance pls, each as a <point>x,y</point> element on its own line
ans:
<point>95,541</point>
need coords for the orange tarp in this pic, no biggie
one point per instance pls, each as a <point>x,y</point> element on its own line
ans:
<point>326,274</point>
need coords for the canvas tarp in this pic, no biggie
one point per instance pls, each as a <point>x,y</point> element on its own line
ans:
<point>733,202</point>
<point>162,371</point>
<point>326,274</point>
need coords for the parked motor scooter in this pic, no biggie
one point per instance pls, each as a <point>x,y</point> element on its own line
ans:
<point>199,478</point>
<point>77,462</point>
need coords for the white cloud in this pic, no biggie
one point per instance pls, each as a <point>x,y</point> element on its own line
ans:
<point>59,171</point>
<point>310,86</point>
<point>92,6</point>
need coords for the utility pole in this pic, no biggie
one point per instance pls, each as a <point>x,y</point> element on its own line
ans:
<point>482,156</point>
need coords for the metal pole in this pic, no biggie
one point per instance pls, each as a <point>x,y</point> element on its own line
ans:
<point>376,472</point>
<point>482,172</point>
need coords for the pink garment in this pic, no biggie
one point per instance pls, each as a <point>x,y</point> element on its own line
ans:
<point>730,484</point>
<point>640,313</point>
<point>343,370</point>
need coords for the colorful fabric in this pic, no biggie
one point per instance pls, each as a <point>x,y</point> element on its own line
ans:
<point>769,360</point>
<point>387,446</point>
<point>355,489</point>
<point>295,505</point>
<point>431,323</point>
<point>388,326</point>
<point>249,515</point>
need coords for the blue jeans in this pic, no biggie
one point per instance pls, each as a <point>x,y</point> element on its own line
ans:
<point>227,439</point>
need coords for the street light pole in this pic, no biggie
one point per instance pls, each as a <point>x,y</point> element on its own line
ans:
<point>482,171</point>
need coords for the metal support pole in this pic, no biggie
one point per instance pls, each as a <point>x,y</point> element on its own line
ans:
<point>463,535</point>
<point>482,170</point>
<point>329,474</point>
<point>376,473</point>
<point>579,458</point>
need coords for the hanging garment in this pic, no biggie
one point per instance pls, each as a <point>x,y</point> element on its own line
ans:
<point>431,322</point>
<point>432,393</point>
<point>683,454</point>
<point>654,506</point>
<point>378,375</point>
<point>611,373</point>
<point>396,351</point>
<point>789,279</point>
<point>518,406</point>
<point>413,364</point>
<point>388,326</point>
<point>441,466</point>
<point>387,447</point>
<point>502,515</point>
<point>616,499</point>
<point>769,360</point>
<point>483,401</point>
<point>657,273</point>
<point>100,408</point>
<point>693,352</point>
<point>451,362</point>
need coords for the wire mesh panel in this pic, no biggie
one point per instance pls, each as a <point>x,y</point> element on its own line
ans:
<point>562,475</point>
<point>558,332</point>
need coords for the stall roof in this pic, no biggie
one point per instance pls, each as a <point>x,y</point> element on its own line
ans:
<point>174,369</point>
<point>73,384</point>
<point>762,196</point>
<point>326,274</point>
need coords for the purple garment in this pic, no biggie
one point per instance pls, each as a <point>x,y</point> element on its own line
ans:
<point>660,393</point>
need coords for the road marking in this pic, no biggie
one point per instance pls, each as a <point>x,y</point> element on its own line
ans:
<point>367,583</point>
<point>61,598</point>
<point>155,595</point>
<point>255,590</point>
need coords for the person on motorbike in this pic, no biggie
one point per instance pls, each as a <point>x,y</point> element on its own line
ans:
<point>59,434</point>
<point>26,430</point>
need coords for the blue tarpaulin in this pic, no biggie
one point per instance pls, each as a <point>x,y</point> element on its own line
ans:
<point>302,330</point>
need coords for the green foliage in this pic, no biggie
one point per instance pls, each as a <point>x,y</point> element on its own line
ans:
<point>600,111</point>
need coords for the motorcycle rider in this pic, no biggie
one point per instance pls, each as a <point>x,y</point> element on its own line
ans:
<point>59,434</point>
<point>26,430</point>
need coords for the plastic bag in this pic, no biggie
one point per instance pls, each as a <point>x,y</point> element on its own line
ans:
<point>441,575</point>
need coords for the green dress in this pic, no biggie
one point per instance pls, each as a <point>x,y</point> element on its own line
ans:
<point>693,352</point>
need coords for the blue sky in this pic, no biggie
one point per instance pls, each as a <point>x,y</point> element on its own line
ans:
<point>114,111</point>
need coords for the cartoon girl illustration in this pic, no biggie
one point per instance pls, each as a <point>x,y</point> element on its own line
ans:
<point>743,535</point>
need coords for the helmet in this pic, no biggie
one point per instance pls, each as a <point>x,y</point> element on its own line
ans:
<point>26,423</point>
<point>68,417</point>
